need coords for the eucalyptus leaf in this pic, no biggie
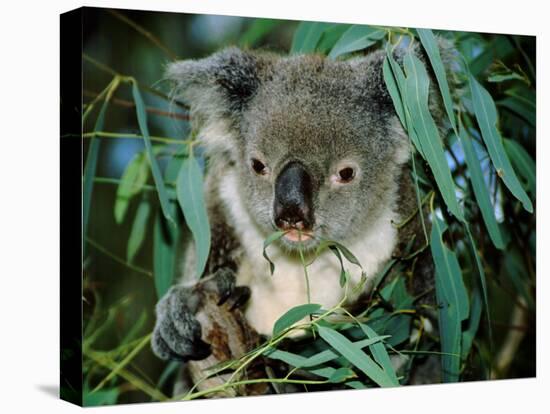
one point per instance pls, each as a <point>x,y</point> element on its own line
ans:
<point>99,397</point>
<point>268,241</point>
<point>341,375</point>
<point>164,260</point>
<point>91,167</point>
<point>452,301</point>
<point>294,315</point>
<point>190,195</point>
<point>155,169</point>
<point>486,115</point>
<point>505,76</point>
<point>330,37</point>
<point>356,357</point>
<point>481,191</point>
<point>307,36</point>
<point>417,88</point>
<point>329,355</point>
<point>432,49</point>
<point>357,37</point>
<point>394,91</point>
<point>380,353</point>
<point>396,83</point>
<point>515,269</point>
<point>482,279</point>
<point>520,108</point>
<point>448,270</point>
<point>358,385</point>
<point>343,274</point>
<point>473,324</point>
<point>523,163</point>
<point>132,182</point>
<point>297,361</point>
<point>139,228</point>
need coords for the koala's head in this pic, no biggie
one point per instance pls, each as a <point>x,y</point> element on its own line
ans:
<point>316,143</point>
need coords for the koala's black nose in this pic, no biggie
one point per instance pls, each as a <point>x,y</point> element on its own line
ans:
<point>293,206</point>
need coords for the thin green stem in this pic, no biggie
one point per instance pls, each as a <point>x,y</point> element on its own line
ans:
<point>251,356</point>
<point>103,250</point>
<point>104,94</point>
<point>253,381</point>
<point>144,341</point>
<point>124,135</point>
<point>140,29</point>
<point>116,181</point>
<point>128,376</point>
<point>417,191</point>
<point>301,250</point>
<point>113,72</point>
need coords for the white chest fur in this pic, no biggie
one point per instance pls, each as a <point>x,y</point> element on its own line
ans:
<point>273,295</point>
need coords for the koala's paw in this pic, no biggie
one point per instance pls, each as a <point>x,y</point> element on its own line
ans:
<point>177,333</point>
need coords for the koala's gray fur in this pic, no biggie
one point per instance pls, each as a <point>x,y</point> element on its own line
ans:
<point>321,115</point>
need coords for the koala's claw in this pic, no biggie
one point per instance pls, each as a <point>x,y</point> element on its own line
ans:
<point>239,297</point>
<point>177,333</point>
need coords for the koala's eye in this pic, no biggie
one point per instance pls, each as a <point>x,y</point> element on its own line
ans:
<point>345,175</point>
<point>258,167</point>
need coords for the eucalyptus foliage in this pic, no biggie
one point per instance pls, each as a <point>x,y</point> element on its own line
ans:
<point>479,181</point>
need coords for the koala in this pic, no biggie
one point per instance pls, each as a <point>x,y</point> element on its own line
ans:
<point>302,144</point>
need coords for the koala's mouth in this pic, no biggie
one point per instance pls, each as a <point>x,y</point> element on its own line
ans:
<point>298,236</point>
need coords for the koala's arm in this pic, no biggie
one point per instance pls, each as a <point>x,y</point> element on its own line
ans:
<point>178,333</point>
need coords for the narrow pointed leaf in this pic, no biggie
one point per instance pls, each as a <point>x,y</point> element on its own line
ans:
<point>271,239</point>
<point>307,36</point>
<point>165,237</point>
<point>486,115</point>
<point>417,87</point>
<point>380,353</point>
<point>432,49</point>
<point>452,301</point>
<point>481,191</point>
<point>155,169</point>
<point>358,385</point>
<point>448,270</point>
<point>294,315</point>
<point>482,280</point>
<point>343,276</point>
<point>190,195</point>
<point>90,168</point>
<point>396,78</point>
<point>131,183</point>
<point>356,356</point>
<point>164,258</point>
<point>330,37</point>
<point>341,375</point>
<point>519,107</point>
<point>473,324</point>
<point>523,163</point>
<point>297,361</point>
<point>330,355</point>
<point>139,228</point>
<point>393,89</point>
<point>357,37</point>
<point>505,76</point>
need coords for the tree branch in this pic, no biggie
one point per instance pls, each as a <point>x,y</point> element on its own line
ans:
<point>129,104</point>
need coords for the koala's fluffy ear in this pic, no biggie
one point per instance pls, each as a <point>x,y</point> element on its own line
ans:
<point>218,88</point>
<point>222,83</point>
